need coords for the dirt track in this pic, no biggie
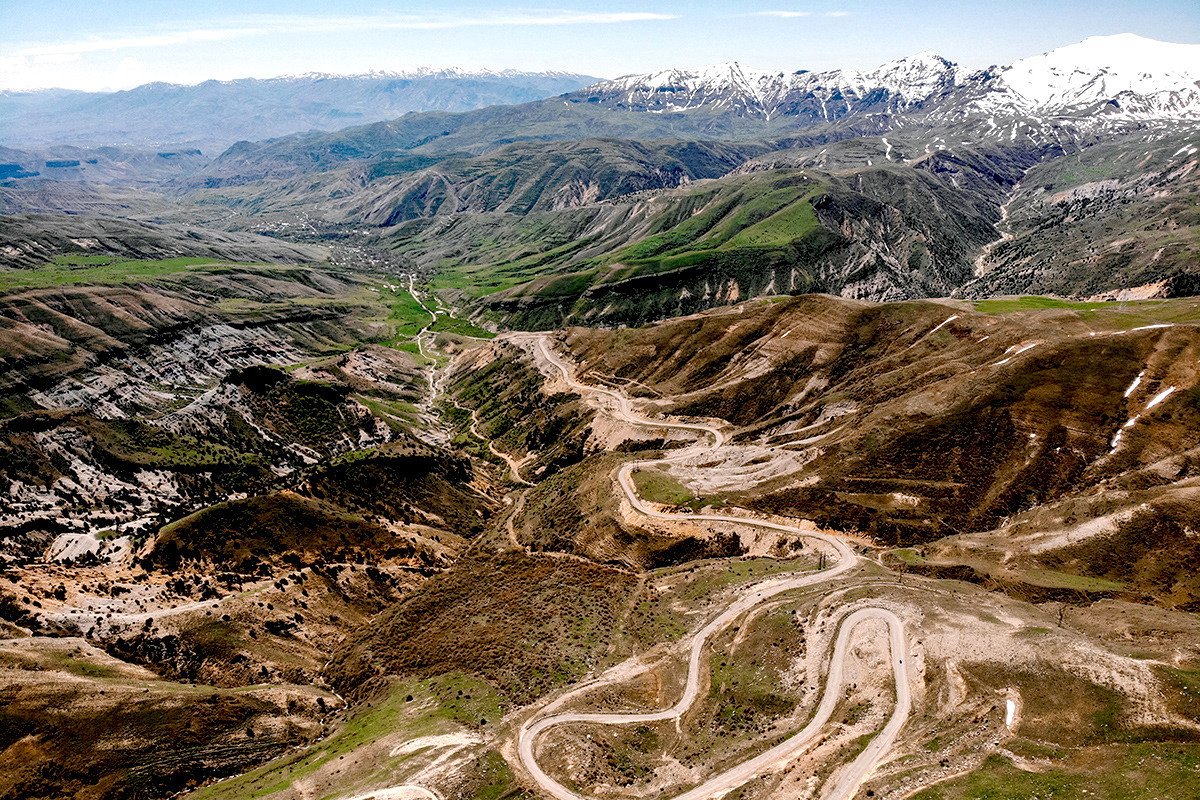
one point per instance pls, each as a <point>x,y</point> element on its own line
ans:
<point>852,776</point>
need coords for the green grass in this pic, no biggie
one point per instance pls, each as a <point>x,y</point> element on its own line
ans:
<point>142,445</point>
<point>78,666</point>
<point>659,487</point>
<point>478,280</point>
<point>1008,305</point>
<point>77,662</point>
<point>460,327</point>
<point>80,260</point>
<point>746,220</point>
<point>652,620</point>
<point>1062,580</point>
<point>393,412</point>
<point>793,221</point>
<point>412,348</point>
<point>749,214</point>
<point>1110,315</point>
<point>438,705</point>
<point>908,555</point>
<point>408,318</point>
<point>1028,749</point>
<point>746,689</point>
<point>1146,771</point>
<point>406,315</point>
<point>103,270</point>
<point>713,576</point>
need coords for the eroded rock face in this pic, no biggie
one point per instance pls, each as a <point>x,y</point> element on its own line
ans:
<point>99,470</point>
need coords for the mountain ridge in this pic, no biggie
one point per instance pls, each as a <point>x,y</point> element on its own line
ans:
<point>1123,66</point>
<point>728,102</point>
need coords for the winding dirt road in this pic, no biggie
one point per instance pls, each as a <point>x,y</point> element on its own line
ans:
<point>514,466</point>
<point>852,776</point>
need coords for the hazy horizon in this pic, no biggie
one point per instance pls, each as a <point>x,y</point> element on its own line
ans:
<point>76,45</point>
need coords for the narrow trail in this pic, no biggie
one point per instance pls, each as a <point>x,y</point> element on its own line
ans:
<point>852,776</point>
<point>514,466</point>
<point>406,792</point>
<point>431,369</point>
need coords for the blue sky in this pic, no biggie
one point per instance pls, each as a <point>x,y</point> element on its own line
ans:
<point>95,44</point>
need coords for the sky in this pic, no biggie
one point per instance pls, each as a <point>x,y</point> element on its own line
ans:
<point>117,44</point>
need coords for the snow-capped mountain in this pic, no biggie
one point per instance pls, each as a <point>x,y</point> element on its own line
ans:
<point>1124,75</point>
<point>1133,76</point>
<point>897,85</point>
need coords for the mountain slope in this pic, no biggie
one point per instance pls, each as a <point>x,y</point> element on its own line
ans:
<point>102,165</point>
<point>1119,218</point>
<point>856,218</point>
<point>881,234</point>
<point>32,240</point>
<point>1030,437</point>
<point>728,101</point>
<point>520,178</point>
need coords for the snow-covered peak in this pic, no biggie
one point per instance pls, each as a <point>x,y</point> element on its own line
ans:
<point>716,77</point>
<point>1123,77</point>
<point>728,85</point>
<point>732,86</point>
<point>1142,77</point>
<point>418,72</point>
<point>1122,52</point>
<point>912,78</point>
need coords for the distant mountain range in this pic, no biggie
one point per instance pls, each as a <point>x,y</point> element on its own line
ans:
<point>732,88</point>
<point>1102,81</point>
<point>1127,76</point>
<point>1099,87</point>
<point>649,196</point>
<point>215,114</point>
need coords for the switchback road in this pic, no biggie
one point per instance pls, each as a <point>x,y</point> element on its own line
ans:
<point>851,777</point>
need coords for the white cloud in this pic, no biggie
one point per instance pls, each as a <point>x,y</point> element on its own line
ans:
<point>268,24</point>
<point>149,40</point>
<point>130,72</point>
<point>57,58</point>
